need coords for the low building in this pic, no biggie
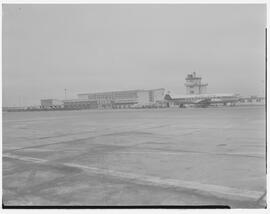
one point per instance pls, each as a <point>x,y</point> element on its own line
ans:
<point>13,109</point>
<point>257,100</point>
<point>125,99</point>
<point>51,104</point>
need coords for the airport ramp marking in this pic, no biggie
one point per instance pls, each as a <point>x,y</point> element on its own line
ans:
<point>217,191</point>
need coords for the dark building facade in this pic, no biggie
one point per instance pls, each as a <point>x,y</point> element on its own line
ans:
<point>80,104</point>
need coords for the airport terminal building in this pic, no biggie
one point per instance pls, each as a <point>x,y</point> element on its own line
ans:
<point>113,99</point>
<point>125,99</point>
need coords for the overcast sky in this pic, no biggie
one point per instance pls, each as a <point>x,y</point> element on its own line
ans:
<point>92,48</point>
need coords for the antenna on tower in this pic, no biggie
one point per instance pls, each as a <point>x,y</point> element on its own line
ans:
<point>194,72</point>
<point>65,93</point>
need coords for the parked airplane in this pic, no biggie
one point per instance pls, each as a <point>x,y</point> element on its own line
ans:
<point>202,100</point>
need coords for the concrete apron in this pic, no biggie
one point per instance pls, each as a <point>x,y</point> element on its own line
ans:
<point>221,192</point>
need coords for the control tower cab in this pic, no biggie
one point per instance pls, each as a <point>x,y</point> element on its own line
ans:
<point>194,85</point>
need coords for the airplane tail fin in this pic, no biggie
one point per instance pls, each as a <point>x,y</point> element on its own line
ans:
<point>167,97</point>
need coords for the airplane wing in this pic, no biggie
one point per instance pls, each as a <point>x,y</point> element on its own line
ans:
<point>203,101</point>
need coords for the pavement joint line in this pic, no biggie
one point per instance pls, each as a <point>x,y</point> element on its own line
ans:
<point>66,139</point>
<point>217,191</point>
<point>49,142</point>
<point>194,152</point>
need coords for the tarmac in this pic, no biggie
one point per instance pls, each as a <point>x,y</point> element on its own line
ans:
<point>136,157</point>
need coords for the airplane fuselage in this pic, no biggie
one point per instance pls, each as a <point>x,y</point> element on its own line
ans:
<point>204,99</point>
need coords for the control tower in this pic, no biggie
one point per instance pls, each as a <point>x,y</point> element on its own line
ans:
<point>194,85</point>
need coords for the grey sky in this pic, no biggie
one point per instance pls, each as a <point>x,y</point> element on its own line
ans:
<point>91,48</point>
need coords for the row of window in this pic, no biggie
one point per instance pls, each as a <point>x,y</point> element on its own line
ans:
<point>113,95</point>
<point>122,96</point>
